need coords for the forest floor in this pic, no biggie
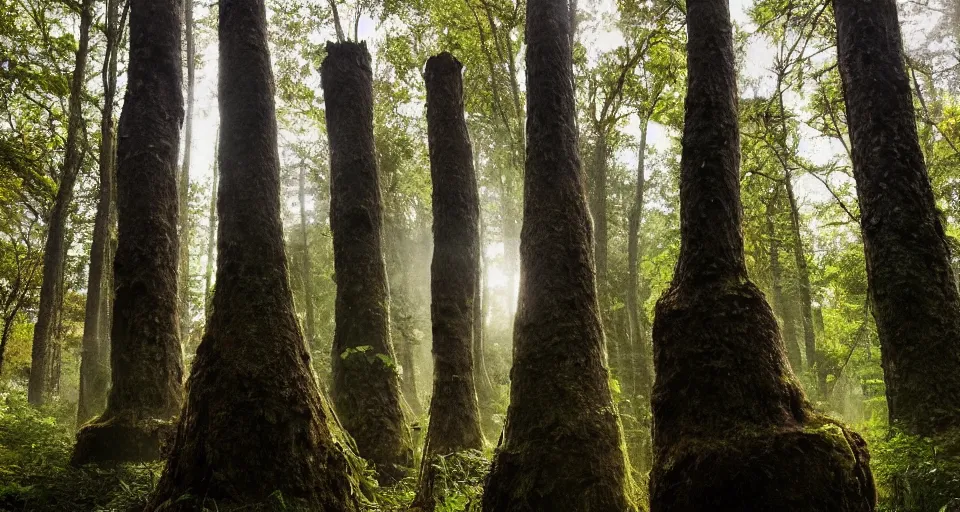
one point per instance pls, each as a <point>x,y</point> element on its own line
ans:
<point>35,474</point>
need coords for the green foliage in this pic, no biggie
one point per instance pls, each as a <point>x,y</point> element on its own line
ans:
<point>35,448</point>
<point>458,485</point>
<point>915,473</point>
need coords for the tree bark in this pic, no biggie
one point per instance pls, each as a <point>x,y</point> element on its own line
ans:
<point>454,410</point>
<point>732,428</point>
<point>255,422</point>
<point>780,306</point>
<point>146,359</point>
<point>94,363</point>
<point>562,445</point>
<point>915,299</point>
<point>184,179</point>
<point>366,387</point>
<point>44,347</point>
<point>306,272</point>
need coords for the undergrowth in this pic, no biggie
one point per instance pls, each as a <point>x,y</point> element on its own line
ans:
<point>35,474</point>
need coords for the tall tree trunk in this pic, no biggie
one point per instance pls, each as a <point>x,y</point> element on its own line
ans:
<point>211,231</point>
<point>454,411</point>
<point>184,180</point>
<point>733,430</point>
<point>366,388</point>
<point>94,374</point>
<point>915,299</point>
<point>146,359</point>
<point>640,380</point>
<point>560,383</point>
<point>55,248</point>
<point>255,422</point>
<point>306,272</point>
<point>804,289</point>
<point>780,305</point>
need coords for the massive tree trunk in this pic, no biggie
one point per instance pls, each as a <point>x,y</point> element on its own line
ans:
<point>562,447</point>
<point>45,345</point>
<point>305,272</point>
<point>454,411</point>
<point>184,179</point>
<point>255,422</point>
<point>94,363</point>
<point>366,388</point>
<point>776,283</point>
<point>146,359</point>
<point>915,300</point>
<point>732,428</point>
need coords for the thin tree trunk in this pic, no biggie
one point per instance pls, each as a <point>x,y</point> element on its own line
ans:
<point>640,380</point>
<point>55,249</point>
<point>184,180</point>
<point>598,207</point>
<point>212,231</point>
<point>255,425</point>
<point>915,299</point>
<point>306,273</point>
<point>93,377</point>
<point>336,21</point>
<point>780,306</point>
<point>803,280</point>
<point>366,388</point>
<point>481,377</point>
<point>455,272</point>
<point>560,383</point>
<point>146,358</point>
<point>733,428</point>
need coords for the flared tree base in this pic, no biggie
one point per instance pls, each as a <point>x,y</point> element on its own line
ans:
<point>819,467</point>
<point>122,438</point>
<point>520,484</point>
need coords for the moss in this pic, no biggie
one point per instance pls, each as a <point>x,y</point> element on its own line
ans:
<point>122,438</point>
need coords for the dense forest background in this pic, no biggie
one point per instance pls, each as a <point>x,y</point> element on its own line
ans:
<point>63,73</point>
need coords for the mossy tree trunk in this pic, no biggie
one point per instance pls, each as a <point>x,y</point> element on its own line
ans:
<point>366,387</point>
<point>146,359</point>
<point>732,428</point>
<point>94,363</point>
<point>454,273</point>
<point>915,299</point>
<point>255,422</point>
<point>45,351</point>
<point>562,446</point>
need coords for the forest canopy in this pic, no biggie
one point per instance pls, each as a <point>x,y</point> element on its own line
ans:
<point>497,255</point>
